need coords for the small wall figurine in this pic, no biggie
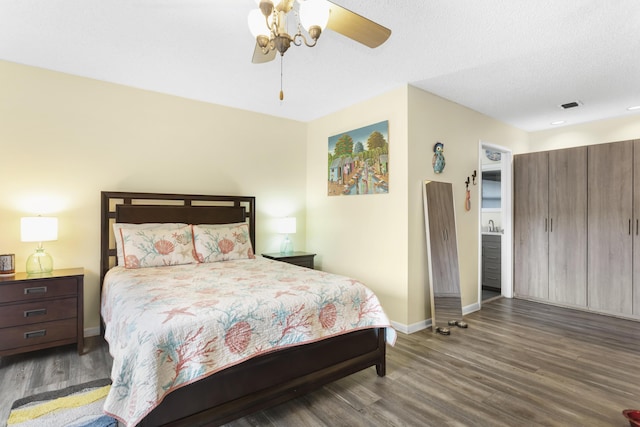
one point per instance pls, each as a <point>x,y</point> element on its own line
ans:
<point>438,157</point>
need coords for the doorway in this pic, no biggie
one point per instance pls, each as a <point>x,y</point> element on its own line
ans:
<point>495,231</point>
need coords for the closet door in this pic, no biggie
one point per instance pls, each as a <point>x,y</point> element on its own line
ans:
<point>636,231</point>
<point>568,226</point>
<point>531,225</point>
<point>610,215</point>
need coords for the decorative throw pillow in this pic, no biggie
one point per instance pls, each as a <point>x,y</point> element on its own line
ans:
<point>222,243</point>
<point>147,226</point>
<point>157,247</point>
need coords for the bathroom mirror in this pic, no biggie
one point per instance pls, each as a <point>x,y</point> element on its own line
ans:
<point>491,191</point>
<point>442,257</point>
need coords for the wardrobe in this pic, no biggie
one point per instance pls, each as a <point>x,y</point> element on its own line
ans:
<point>577,225</point>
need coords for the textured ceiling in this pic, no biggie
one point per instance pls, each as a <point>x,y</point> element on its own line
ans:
<point>515,60</point>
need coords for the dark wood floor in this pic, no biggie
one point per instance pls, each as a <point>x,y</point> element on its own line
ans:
<point>519,364</point>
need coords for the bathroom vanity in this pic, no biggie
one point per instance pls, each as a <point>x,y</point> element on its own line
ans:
<point>491,264</point>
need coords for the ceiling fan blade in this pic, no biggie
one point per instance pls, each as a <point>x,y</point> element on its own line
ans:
<point>356,27</point>
<point>259,57</point>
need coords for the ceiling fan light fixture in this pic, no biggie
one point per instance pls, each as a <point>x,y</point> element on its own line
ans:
<point>266,7</point>
<point>282,43</point>
<point>314,13</point>
<point>314,32</point>
<point>268,24</point>
<point>258,24</point>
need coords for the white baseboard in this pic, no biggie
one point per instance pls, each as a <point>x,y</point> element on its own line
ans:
<point>470,308</point>
<point>92,332</point>
<point>424,324</point>
<point>409,329</point>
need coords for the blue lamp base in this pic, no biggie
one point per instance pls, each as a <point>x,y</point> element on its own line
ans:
<point>286,247</point>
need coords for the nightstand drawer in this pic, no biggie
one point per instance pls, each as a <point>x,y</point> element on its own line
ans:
<point>37,312</point>
<point>38,289</point>
<point>302,262</point>
<point>302,259</point>
<point>38,333</point>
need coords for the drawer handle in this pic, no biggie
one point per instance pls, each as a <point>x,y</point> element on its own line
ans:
<point>38,290</point>
<point>35,334</point>
<point>492,247</point>
<point>492,268</point>
<point>36,312</point>
<point>492,278</point>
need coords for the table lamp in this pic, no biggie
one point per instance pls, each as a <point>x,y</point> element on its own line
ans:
<point>287,226</point>
<point>39,229</point>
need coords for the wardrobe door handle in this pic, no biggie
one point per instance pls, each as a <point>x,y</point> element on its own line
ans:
<point>636,227</point>
<point>551,225</point>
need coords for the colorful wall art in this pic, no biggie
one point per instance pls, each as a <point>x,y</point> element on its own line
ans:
<point>359,161</point>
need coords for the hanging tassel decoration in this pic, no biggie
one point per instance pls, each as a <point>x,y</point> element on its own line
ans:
<point>281,66</point>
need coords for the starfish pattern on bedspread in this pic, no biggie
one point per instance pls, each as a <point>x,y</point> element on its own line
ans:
<point>170,326</point>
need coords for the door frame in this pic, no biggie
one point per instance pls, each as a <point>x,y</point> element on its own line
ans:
<point>506,194</point>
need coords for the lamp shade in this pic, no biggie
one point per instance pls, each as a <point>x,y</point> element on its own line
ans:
<point>287,225</point>
<point>314,12</point>
<point>38,229</point>
<point>257,23</point>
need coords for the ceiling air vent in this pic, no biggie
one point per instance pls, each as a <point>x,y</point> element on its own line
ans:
<point>568,105</point>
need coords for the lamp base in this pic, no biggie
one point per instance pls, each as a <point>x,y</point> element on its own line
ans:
<point>39,262</point>
<point>286,247</point>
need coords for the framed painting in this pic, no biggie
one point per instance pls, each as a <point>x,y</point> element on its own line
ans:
<point>359,161</point>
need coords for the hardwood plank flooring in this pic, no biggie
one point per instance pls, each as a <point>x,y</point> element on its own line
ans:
<point>519,363</point>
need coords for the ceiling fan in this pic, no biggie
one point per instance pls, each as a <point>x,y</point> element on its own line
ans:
<point>268,24</point>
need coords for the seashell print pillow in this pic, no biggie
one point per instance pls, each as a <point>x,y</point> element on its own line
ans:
<point>156,247</point>
<point>222,243</point>
<point>124,225</point>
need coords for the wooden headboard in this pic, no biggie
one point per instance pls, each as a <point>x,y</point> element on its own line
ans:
<point>139,208</point>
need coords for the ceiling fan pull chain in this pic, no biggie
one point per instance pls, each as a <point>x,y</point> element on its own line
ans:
<point>281,66</point>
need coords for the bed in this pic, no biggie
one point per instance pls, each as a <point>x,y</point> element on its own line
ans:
<point>267,378</point>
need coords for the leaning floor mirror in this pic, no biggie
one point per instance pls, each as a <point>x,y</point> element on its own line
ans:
<point>442,256</point>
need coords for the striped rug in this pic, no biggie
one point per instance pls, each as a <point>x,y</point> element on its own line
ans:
<point>75,406</point>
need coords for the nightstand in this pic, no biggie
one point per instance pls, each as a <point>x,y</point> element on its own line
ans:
<point>303,259</point>
<point>41,310</point>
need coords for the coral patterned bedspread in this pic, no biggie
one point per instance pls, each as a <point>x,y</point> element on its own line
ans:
<point>170,326</point>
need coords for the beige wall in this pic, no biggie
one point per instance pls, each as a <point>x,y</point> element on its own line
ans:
<point>63,139</point>
<point>599,132</point>
<point>433,119</point>
<point>380,239</point>
<point>365,236</point>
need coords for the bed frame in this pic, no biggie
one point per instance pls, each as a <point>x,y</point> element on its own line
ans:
<point>258,383</point>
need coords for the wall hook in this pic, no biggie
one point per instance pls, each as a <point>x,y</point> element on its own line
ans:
<point>467,183</point>
<point>474,176</point>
